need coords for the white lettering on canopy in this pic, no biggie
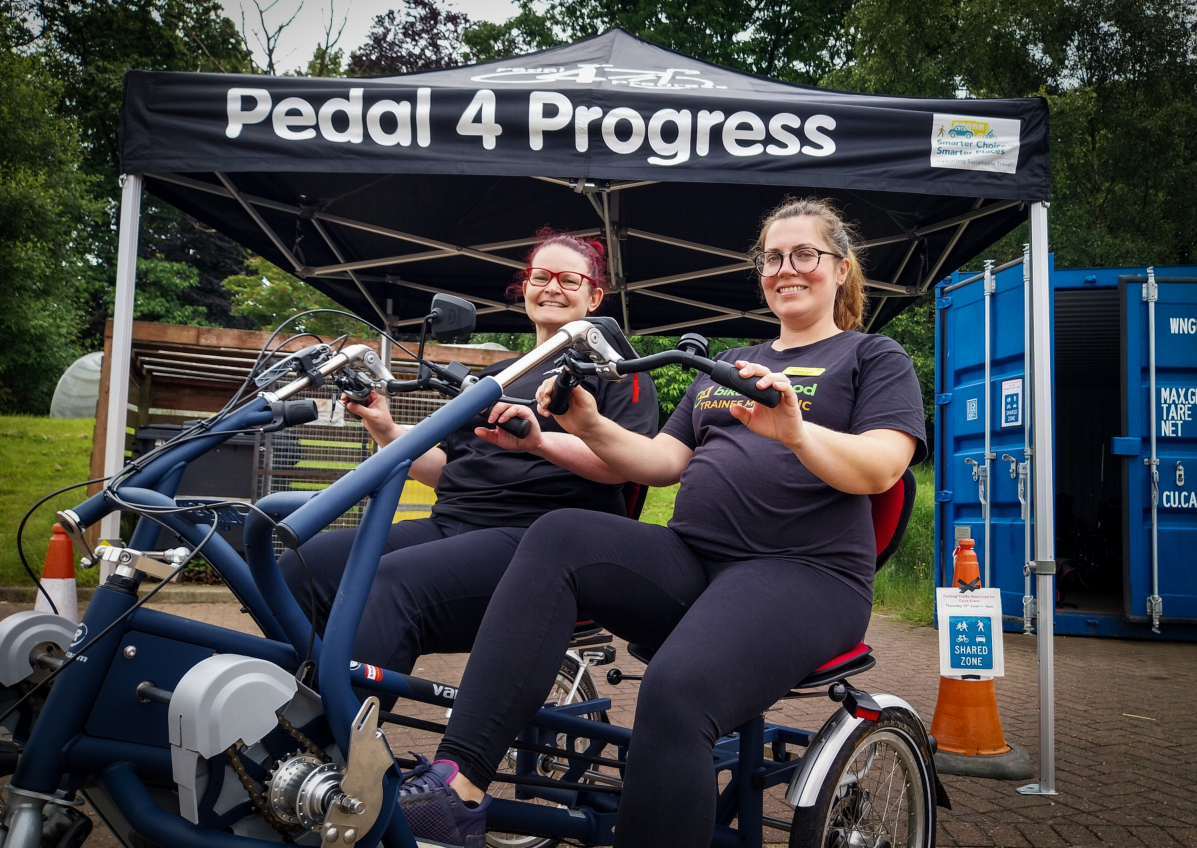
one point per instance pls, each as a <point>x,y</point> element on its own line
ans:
<point>674,135</point>
<point>238,117</point>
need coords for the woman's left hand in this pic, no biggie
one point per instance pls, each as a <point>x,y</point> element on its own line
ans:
<point>783,422</point>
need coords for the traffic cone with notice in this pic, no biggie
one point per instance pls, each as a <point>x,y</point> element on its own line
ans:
<point>966,725</point>
<point>58,577</point>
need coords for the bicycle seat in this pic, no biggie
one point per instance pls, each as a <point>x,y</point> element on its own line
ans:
<point>855,661</point>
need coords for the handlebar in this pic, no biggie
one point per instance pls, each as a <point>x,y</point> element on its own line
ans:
<point>722,372</point>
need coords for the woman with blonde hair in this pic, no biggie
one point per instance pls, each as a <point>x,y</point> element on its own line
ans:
<point>764,573</point>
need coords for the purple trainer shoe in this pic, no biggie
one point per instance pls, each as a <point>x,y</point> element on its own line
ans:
<point>435,811</point>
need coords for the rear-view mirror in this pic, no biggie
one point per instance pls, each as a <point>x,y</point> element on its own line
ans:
<point>451,318</point>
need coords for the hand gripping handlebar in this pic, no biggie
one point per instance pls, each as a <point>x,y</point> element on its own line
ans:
<point>724,373</point>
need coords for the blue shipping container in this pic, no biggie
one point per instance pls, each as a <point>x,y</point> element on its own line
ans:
<point>1103,422</point>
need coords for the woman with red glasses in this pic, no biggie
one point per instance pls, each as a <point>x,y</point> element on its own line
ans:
<point>438,573</point>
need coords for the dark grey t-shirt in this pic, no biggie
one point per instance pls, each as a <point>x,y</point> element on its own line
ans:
<point>481,484</point>
<point>744,496</point>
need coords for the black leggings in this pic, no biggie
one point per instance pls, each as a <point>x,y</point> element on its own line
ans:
<point>724,655</point>
<point>430,593</point>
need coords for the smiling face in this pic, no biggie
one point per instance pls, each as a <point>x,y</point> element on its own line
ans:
<point>804,303</point>
<point>550,306</point>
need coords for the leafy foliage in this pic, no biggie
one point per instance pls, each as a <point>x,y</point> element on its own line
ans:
<point>796,41</point>
<point>268,295</point>
<point>421,37</point>
<point>45,208</point>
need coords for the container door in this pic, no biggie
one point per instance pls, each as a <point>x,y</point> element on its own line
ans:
<point>960,431</point>
<point>1175,406</point>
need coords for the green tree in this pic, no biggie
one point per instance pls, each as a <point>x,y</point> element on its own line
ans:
<point>792,40</point>
<point>45,209</point>
<point>88,46</point>
<point>268,295</point>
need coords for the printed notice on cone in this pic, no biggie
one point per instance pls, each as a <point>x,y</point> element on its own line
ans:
<point>970,633</point>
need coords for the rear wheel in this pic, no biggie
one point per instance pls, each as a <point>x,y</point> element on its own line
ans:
<point>563,685</point>
<point>878,793</point>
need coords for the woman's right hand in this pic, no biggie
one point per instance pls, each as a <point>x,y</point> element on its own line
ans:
<point>583,414</point>
<point>501,413</point>
<point>376,418</point>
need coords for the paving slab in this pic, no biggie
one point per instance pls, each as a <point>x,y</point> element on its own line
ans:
<point>1126,733</point>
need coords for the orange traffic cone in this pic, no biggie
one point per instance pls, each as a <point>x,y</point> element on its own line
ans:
<point>966,725</point>
<point>58,577</point>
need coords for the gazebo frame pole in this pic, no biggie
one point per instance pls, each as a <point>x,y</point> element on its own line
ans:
<point>1044,563</point>
<point>122,344</point>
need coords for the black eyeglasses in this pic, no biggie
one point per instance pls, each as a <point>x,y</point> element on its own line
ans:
<point>803,260</point>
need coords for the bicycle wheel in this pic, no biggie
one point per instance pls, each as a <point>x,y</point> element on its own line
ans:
<point>879,792</point>
<point>545,768</point>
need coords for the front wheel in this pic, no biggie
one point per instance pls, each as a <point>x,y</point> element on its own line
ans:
<point>879,792</point>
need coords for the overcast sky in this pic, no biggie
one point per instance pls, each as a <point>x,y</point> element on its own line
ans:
<point>301,37</point>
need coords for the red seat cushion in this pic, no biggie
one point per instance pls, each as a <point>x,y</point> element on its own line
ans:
<point>859,650</point>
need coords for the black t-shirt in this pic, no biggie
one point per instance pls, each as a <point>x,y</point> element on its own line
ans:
<point>481,484</point>
<point>744,496</point>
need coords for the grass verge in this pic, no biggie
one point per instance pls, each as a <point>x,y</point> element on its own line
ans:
<point>37,456</point>
<point>906,586</point>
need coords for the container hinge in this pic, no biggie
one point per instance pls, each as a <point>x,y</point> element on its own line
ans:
<point>1029,611</point>
<point>943,399</point>
<point>990,280</point>
<point>943,302</point>
<point>943,496</point>
<point>1151,291</point>
<point>981,476</point>
<point>1155,609</point>
<point>1153,462</point>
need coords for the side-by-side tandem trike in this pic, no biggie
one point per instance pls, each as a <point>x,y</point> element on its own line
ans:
<point>185,735</point>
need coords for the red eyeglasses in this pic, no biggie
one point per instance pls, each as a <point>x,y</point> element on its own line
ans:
<point>569,280</point>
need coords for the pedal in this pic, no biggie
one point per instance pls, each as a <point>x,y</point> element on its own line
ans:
<point>600,656</point>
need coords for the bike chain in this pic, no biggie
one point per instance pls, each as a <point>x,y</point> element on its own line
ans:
<point>303,740</point>
<point>287,831</point>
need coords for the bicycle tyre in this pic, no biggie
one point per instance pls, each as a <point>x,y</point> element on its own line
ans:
<point>561,688</point>
<point>887,761</point>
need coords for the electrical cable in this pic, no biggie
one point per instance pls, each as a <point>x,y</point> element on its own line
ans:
<point>21,531</point>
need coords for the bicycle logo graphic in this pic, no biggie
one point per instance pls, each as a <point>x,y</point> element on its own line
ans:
<point>670,79</point>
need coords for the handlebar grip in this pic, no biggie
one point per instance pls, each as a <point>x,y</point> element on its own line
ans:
<point>395,387</point>
<point>727,374</point>
<point>518,427</point>
<point>563,386</point>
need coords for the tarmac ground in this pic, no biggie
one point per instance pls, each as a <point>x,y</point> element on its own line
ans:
<point>1126,732</point>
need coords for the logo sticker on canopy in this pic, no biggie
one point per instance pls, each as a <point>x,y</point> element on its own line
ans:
<point>975,144</point>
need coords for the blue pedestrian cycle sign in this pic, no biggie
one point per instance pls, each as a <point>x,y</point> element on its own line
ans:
<point>971,640</point>
<point>970,633</point>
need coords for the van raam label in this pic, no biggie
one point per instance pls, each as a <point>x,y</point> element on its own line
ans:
<point>975,144</point>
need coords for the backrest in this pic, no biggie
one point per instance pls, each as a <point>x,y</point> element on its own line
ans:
<point>634,495</point>
<point>891,514</point>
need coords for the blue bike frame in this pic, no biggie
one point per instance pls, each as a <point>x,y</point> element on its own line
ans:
<point>92,729</point>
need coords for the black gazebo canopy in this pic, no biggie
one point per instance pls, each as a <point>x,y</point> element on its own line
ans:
<point>393,188</point>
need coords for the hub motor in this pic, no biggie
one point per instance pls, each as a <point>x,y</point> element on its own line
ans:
<point>302,790</point>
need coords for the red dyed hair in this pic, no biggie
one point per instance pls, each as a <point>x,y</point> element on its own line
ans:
<point>591,250</point>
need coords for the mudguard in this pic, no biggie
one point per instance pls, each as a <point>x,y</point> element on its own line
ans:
<point>21,632</point>
<point>816,762</point>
